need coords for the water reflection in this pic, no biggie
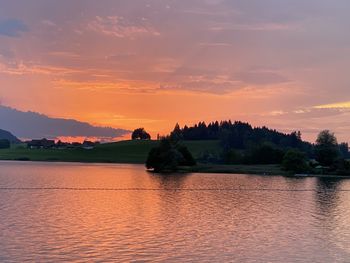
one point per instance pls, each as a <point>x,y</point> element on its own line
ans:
<point>327,195</point>
<point>169,181</point>
<point>126,214</point>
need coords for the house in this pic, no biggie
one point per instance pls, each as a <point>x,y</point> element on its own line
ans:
<point>88,145</point>
<point>41,144</point>
<point>61,145</point>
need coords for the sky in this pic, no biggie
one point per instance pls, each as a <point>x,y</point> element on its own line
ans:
<point>153,63</point>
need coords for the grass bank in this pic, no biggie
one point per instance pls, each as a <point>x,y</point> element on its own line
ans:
<point>118,152</point>
<point>272,169</point>
<point>135,152</point>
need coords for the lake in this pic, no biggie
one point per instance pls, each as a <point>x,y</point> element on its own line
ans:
<point>119,213</point>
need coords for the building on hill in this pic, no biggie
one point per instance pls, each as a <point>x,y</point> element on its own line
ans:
<point>41,144</point>
<point>88,145</point>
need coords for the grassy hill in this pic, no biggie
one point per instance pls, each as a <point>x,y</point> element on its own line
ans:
<point>118,152</point>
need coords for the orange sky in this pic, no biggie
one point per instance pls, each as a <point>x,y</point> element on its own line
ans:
<point>150,63</point>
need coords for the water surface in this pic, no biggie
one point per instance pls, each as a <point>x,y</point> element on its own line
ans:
<point>116,213</point>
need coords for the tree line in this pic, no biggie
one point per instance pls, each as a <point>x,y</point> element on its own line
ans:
<point>240,135</point>
<point>241,143</point>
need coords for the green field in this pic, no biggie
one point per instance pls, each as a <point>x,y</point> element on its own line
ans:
<point>134,152</point>
<point>118,152</point>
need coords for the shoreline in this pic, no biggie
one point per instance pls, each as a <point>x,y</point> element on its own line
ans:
<point>258,170</point>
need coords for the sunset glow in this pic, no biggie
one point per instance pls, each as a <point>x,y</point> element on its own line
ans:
<point>151,63</point>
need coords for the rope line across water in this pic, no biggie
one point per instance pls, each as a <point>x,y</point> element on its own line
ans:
<point>167,189</point>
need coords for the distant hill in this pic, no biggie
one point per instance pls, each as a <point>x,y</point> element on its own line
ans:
<point>8,136</point>
<point>35,125</point>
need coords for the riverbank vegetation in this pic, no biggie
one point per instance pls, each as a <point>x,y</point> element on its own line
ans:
<point>242,144</point>
<point>234,147</point>
<point>169,156</point>
<point>132,151</point>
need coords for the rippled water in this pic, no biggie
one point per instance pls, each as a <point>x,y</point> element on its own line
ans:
<point>115,213</point>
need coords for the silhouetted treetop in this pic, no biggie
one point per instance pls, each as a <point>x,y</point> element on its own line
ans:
<point>240,135</point>
<point>168,156</point>
<point>326,148</point>
<point>140,134</point>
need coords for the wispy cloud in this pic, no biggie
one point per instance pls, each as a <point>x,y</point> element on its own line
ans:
<point>253,27</point>
<point>209,86</point>
<point>119,27</point>
<point>215,44</point>
<point>48,23</point>
<point>22,68</point>
<point>261,77</point>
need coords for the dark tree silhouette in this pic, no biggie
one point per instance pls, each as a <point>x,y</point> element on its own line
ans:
<point>140,134</point>
<point>326,148</point>
<point>344,150</point>
<point>241,135</point>
<point>295,161</point>
<point>168,156</point>
<point>265,154</point>
<point>176,134</point>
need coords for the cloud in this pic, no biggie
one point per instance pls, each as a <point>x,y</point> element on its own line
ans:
<point>310,121</point>
<point>14,67</point>
<point>12,27</point>
<point>261,78</point>
<point>254,27</point>
<point>48,23</point>
<point>215,44</point>
<point>218,87</point>
<point>35,125</point>
<point>119,27</point>
<point>210,81</point>
<point>339,105</point>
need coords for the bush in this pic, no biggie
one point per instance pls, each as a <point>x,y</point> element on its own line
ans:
<point>232,157</point>
<point>188,159</point>
<point>168,156</point>
<point>341,166</point>
<point>265,154</point>
<point>295,161</point>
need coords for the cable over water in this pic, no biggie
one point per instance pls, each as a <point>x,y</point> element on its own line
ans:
<point>168,189</point>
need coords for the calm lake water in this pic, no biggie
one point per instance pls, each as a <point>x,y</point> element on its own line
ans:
<point>115,213</point>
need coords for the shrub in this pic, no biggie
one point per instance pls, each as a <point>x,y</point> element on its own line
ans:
<point>168,156</point>
<point>295,161</point>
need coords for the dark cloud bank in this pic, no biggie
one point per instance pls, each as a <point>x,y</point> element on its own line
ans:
<point>12,27</point>
<point>35,125</point>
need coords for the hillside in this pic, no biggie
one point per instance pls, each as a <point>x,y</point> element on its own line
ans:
<point>8,136</point>
<point>118,152</point>
<point>36,125</point>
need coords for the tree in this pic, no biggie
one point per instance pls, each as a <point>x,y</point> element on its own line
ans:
<point>232,157</point>
<point>344,150</point>
<point>176,134</point>
<point>326,148</point>
<point>140,134</point>
<point>295,161</point>
<point>168,156</point>
<point>265,154</point>
<point>187,159</point>
<point>4,144</point>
